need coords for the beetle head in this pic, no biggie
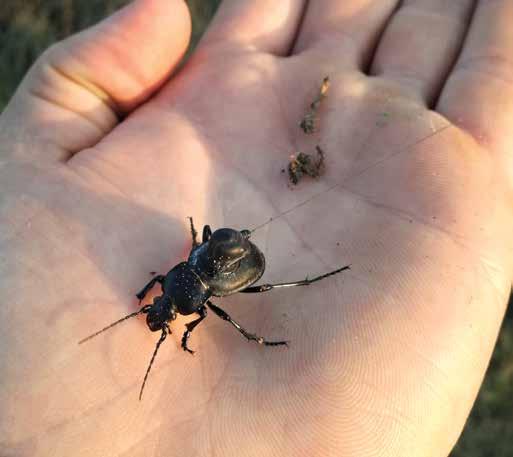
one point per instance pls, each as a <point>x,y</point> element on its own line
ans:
<point>159,313</point>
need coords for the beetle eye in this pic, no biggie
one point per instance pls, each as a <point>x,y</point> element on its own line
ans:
<point>246,234</point>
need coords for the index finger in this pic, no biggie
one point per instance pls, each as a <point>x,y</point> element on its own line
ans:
<point>265,26</point>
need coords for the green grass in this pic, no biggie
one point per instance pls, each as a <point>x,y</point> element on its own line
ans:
<point>27,27</point>
<point>489,431</point>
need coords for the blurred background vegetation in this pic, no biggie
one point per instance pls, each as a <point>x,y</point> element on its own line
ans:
<point>27,27</point>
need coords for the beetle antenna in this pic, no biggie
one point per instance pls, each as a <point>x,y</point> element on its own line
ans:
<point>143,310</point>
<point>159,342</point>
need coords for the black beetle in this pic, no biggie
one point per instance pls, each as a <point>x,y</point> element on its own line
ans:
<point>225,263</point>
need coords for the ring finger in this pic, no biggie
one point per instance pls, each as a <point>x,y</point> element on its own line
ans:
<point>421,43</point>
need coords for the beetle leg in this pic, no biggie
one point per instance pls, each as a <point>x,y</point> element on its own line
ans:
<point>147,287</point>
<point>194,234</point>
<point>250,336</point>
<point>207,233</point>
<point>305,282</point>
<point>191,326</point>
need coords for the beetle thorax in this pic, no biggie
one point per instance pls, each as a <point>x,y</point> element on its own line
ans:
<point>186,289</point>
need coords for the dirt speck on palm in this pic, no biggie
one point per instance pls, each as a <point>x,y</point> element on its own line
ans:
<point>309,121</point>
<point>302,164</point>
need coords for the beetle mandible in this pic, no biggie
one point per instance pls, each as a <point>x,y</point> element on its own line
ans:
<point>224,263</point>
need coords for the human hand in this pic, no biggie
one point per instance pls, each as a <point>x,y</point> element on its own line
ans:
<point>385,359</point>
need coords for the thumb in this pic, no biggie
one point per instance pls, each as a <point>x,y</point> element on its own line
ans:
<point>78,89</point>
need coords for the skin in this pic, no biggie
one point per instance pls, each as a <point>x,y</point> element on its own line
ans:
<point>102,161</point>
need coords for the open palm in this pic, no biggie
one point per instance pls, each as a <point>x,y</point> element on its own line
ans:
<point>385,359</point>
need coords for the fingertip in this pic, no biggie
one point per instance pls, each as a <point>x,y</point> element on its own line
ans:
<point>123,59</point>
<point>142,43</point>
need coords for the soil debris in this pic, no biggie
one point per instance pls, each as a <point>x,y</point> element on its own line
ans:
<point>302,164</point>
<point>309,121</point>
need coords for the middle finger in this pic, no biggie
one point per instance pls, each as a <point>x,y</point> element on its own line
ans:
<point>349,28</point>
